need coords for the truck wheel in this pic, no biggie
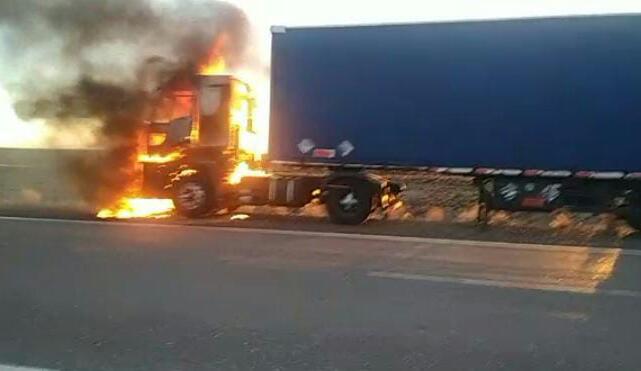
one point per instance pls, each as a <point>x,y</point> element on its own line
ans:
<point>633,217</point>
<point>193,197</point>
<point>349,201</point>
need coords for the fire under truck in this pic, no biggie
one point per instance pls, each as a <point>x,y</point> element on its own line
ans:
<point>194,156</point>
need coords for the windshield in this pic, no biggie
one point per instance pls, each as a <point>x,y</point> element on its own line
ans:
<point>170,108</point>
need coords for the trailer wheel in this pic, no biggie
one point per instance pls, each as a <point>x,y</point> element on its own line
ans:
<point>349,201</point>
<point>193,196</point>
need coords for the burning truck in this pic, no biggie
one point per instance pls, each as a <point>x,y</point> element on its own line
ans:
<point>198,155</point>
<point>541,112</point>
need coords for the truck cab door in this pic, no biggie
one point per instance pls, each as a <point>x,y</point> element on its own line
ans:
<point>213,124</point>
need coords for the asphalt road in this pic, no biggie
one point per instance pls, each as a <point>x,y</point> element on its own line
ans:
<point>109,296</point>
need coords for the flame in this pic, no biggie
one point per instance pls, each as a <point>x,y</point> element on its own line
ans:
<point>241,115</point>
<point>214,67</point>
<point>242,170</point>
<point>239,217</point>
<point>254,141</point>
<point>128,208</point>
<point>158,158</point>
<point>215,63</point>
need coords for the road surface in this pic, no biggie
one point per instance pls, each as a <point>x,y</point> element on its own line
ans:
<point>110,296</point>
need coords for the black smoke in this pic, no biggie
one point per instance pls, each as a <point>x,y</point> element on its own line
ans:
<point>100,59</point>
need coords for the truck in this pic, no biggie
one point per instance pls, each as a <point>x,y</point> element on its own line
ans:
<point>543,113</point>
<point>194,155</point>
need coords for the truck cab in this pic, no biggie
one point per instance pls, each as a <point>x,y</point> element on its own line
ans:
<point>198,124</point>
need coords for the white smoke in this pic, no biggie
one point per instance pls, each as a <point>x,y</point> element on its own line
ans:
<point>17,133</point>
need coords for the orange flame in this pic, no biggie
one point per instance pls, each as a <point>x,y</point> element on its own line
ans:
<point>158,158</point>
<point>215,67</point>
<point>243,170</point>
<point>215,62</point>
<point>128,208</point>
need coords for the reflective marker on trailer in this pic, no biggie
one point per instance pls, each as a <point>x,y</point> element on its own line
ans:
<point>324,153</point>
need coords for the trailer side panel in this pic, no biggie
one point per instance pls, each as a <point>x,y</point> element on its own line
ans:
<point>555,93</point>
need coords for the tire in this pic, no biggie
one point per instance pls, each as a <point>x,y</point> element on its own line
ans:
<point>349,201</point>
<point>193,196</point>
<point>633,217</point>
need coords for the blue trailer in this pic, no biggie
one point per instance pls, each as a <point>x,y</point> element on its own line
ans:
<point>552,93</point>
<point>544,112</point>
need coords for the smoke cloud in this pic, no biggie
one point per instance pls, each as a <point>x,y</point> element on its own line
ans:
<point>78,63</point>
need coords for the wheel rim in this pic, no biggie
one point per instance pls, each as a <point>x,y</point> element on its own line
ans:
<point>191,196</point>
<point>349,202</point>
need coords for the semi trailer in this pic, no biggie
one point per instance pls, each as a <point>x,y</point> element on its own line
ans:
<point>542,112</point>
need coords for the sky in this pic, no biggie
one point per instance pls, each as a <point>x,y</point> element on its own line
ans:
<point>321,12</point>
<point>265,13</point>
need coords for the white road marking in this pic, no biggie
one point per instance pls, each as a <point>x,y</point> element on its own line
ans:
<point>15,166</point>
<point>19,368</point>
<point>352,236</point>
<point>506,284</point>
